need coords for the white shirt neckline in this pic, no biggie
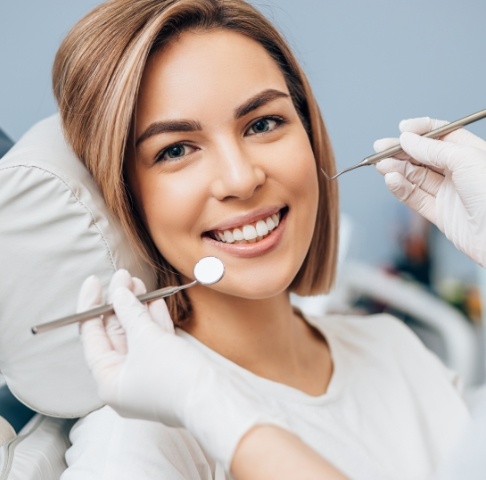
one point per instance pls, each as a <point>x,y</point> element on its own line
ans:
<point>279,390</point>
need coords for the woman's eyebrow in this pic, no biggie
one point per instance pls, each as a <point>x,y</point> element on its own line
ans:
<point>168,126</point>
<point>259,100</point>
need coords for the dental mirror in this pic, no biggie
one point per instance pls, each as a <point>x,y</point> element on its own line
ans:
<point>208,271</point>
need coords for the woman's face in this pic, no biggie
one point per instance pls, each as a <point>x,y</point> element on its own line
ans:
<point>222,163</point>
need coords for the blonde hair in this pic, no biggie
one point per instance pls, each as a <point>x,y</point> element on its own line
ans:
<point>96,77</point>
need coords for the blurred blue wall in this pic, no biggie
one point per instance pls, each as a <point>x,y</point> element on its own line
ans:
<point>371,64</point>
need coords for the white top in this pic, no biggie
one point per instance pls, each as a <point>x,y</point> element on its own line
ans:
<point>468,461</point>
<point>392,412</point>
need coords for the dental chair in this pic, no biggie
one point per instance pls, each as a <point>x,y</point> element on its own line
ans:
<point>13,414</point>
<point>56,231</point>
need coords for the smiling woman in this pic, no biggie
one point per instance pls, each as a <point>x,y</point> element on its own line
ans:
<point>105,109</point>
<point>245,159</point>
<point>203,134</point>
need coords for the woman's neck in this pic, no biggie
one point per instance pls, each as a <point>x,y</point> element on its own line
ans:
<point>265,337</point>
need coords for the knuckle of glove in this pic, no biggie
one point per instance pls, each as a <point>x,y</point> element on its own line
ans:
<point>420,125</point>
<point>399,186</point>
<point>415,174</point>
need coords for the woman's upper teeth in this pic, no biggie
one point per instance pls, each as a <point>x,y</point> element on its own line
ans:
<point>250,232</point>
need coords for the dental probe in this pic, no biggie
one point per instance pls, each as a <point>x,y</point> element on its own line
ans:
<point>390,152</point>
<point>207,271</point>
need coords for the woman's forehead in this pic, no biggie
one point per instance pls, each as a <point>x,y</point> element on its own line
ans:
<point>201,69</point>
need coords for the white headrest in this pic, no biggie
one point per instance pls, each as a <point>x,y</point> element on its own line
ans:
<point>55,231</point>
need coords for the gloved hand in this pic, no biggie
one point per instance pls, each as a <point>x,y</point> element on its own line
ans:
<point>155,375</point>
<point>443,180</point>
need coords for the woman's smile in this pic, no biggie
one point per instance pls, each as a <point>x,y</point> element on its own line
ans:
<point>248,233</point>
<point>250,238</point>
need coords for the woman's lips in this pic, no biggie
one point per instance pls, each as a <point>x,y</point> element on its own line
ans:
<point>254,247</point>
<point>248,233</point>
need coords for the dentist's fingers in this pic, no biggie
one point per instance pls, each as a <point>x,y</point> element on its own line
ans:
<point>96,342</point>
<point>385,143</point>
<point>139,287</point>
<point>408,193</point>
<point>422,177</point>
<point>90,294</point>
<point>114,330</point>
<point>423,125</point>
<point>134,316</point>
<point>420,125</point>
<point>426,124</point>
<point>160,314</point>
<point>435,153</point>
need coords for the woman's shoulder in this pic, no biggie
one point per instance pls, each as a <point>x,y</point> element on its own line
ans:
<point>365,326</point>
<point>381,337</point>
<point>376,335</point>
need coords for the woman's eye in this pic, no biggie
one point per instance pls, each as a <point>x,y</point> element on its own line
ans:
<point>174,152</point>
<point>264,125</point>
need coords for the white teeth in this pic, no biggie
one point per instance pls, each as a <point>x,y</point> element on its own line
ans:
<point>270,224</point>
<point>238,235</point>
<point>228,237</point>
<point>250,233</point>
<point>261,228</point>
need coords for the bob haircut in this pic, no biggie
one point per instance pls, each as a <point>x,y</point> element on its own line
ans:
<point>96,78</point>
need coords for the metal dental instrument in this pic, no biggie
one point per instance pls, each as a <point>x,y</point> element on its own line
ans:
<point>390,152</point>
<point>207,271</point>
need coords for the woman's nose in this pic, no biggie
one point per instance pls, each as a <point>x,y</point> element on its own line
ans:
<point>237,176</point>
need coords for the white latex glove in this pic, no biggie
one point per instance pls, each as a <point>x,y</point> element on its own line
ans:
<point>161,377</point>
<point>443,180</point>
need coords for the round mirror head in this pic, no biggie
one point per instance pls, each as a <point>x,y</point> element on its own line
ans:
<point>209,270</point>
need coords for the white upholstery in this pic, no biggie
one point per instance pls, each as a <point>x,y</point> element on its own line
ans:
<point>55,231</point>
<point>37,453</point>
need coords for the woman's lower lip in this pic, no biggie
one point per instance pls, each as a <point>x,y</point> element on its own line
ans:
<point>249,250</point>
